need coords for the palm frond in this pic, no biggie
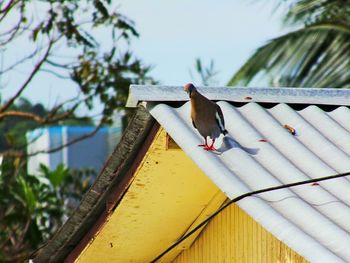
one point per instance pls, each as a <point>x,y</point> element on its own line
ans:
<point>318,11</point>
<point>314,56</point>
<point>308,12</point>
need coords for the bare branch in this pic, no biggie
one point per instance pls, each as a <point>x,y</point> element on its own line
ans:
<point>55,64</point>
<point>52,116</point>
<point>35,117</point>
<point>30,56</point>
<point>59,106</point>
<point>58,75</point>
<point>19,150</point>
<point>7,8</point>
<point>13,153</point>
<point>22,153</point>
<point>25,84</point>
<point>12,32</point>
<point>15,31</point>
<point>25,115</point>
<point>78,139</point>
<point>26,227</point>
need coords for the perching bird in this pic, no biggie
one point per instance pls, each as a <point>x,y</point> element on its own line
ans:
<point>206,116</point>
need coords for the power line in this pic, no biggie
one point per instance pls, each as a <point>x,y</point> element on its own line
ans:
<point>238,198</point>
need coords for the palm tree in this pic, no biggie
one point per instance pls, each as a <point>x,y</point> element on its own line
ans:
<point>317,54</point>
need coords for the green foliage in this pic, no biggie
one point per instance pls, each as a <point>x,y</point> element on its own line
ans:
<point>56,177</point>
<point>32,207</point>
<point>66,39</point>
<point>13,130</point>
<point>315,55</point>
<point>311,12</point>
<point>108,78</point>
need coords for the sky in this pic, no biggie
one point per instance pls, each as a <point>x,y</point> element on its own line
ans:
<point>172,35</point>
<point>175,33</point>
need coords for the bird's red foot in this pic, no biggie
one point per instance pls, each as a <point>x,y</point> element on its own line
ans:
<point>209,148</point>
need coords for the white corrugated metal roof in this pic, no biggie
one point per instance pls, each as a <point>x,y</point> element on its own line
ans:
<point>259,152</point>
<point>140,93</point>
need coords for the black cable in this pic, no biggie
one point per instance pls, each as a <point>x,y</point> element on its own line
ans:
<point>238,198</point>
<point>297,197</point>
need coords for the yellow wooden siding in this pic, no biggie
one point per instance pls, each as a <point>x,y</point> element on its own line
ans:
<point>233,236</point>
<point>168,193</point>
<point>168,196</point>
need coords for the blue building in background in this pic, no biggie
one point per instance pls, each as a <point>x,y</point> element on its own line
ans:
<point>88,153</point>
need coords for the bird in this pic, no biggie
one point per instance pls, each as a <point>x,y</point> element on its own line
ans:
<point>206,117</point>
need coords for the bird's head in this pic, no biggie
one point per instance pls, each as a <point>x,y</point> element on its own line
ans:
<point>189,88</point>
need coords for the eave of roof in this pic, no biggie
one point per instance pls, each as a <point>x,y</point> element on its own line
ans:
<point>144,93</point>
<point>105,192</point>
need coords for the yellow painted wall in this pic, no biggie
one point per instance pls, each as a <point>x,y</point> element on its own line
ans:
<point>169,195</point>
<point>166,197</point>
<point>233,236</point>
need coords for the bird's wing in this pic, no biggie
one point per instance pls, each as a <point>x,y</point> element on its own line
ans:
<point>219,117</point>
<point>194,125</point>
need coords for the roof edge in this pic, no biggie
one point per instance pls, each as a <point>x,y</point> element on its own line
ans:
<point>97,200</point>
<point>140,93</point>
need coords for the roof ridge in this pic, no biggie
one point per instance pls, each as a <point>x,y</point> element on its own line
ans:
<point>160,93</point>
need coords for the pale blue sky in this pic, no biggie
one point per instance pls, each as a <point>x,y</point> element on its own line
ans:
<point>172,35</point>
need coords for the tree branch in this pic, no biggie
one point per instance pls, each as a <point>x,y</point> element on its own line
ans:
<point>78,139</point>
<point>15,31</point>
<point>25,84</point>
<point>21,114</point>
<point>55,64</point>
<point>22,60</point>
<point>58,75</point>
<point>11,34</point>
<point>22,153</point>
<point>53,116</point>
<point>7,8</point>
<point>49,119</point>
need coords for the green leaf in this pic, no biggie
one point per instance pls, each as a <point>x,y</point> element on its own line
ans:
<point>27,194</point>
<point>58,175</point>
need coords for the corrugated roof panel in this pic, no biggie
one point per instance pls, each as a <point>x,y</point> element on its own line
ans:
<point>342,116</point>
<point>329,127</point>
<point>320,143</point>
<point>293,149</point>
<point>286,172</point>
<point>259,152</point>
